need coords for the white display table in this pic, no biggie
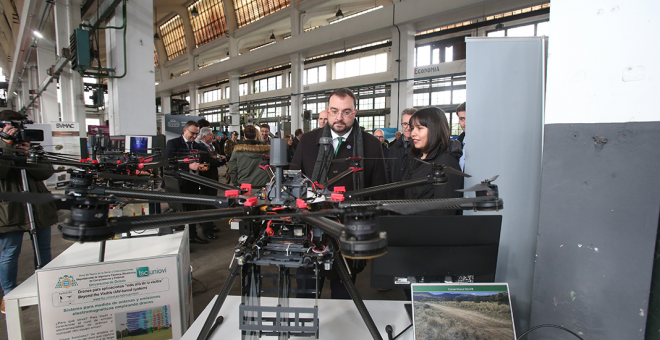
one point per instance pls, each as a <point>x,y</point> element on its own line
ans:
<point>26,294</point>
<point>338,319</point>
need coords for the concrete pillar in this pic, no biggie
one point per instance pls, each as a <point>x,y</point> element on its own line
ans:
<point>402,92</point>
<point>132,100</point>
<point>233,47</point>
<point>24,95</point>
<point>165,103</point>
<point>32,111</point>
<point>296,24</point>
<point>230,17</point>
<point>49,108</point>
<point>72,101</point>
<point>297,67</point>
<point>233,101</point>
<point>194,105</point>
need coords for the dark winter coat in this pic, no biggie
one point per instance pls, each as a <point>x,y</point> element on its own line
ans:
<point>416,169</point>
<point>13,215</point>
<point>245,161</point>
<point>306,154</point>
<point>398,156</point>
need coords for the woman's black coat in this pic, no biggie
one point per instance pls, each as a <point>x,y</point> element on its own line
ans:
<point>415,169</point>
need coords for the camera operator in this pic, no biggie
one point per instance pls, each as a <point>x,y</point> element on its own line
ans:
<point>14,220</point>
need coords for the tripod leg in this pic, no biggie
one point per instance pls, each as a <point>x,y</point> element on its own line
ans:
<point>362,309</point>
<point>33,226</point>
<point>250,296</point>
<point>283,298</point>
<point>233,271</point>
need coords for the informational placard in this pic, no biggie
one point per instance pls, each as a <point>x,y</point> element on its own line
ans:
<point>66,136</point>
<point>93,130</point>
<point>135,299</point>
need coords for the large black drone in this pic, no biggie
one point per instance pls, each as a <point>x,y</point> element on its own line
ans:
<point>293,223</point>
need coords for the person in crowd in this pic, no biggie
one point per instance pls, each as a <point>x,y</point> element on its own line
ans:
<point>398,154</point>
<point>180,146</point>
<point>289,148</point>
<point>296,139</point>
<point>214,161</point>
<point>229,148</point>
<point>13,215</point>
<point>323,118</point>
<point>244,165</point>
<point>431,144</point>
<point>219,143</point>
<point>383,142</point>
<point>397,135</point>
<point>315,162</point>
<point>265,133</point>
<point>460,112</point>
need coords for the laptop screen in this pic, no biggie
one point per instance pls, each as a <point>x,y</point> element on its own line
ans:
<point>462,311</point>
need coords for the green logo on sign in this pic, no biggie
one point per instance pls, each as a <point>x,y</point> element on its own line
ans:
<point>143,271</point>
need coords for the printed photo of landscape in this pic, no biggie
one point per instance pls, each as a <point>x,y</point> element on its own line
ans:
<point>480,315</point>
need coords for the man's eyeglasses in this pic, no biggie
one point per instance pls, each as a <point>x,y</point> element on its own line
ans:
<point>405,125</point>
<point>344,113</point>
<point>193,133</point>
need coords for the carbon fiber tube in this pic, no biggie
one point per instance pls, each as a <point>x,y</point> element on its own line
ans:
<point>338,178</point>
<point>217,305</point>
<point>162,196</point>
<point>127,223</point>
<point>202,180</point>
<point>332,228</point>
<point>359,304</point>
<point>385,188</point>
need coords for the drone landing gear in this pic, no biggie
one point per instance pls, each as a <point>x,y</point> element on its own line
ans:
<point>281,321</point>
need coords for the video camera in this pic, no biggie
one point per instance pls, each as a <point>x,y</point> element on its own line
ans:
<point>23,134</point>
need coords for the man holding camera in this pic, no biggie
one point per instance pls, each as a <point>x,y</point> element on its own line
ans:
<point>14,221</point>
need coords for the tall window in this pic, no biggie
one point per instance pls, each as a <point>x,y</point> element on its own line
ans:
<point>530,30</point>
<point>268,84</point>
<point>443,92</point>
<point>315,75</point>
<point>212,95</point>
<point>243,89</point>
<point>208,20</point>
<point>173,37</point>
<point>248,11</point>
<point>442,51</point>
<point>361,66</point>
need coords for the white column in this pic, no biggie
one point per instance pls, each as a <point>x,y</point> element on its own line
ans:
<point>32,111</point>
<point>49,108</point>
<point>132,100</point>
<point>165,103</point>
<point>402,92</point>
<point>233,101</point>
<point>72,102</point>
<point>194,105</point>
<point>296,92</point>
<point>296,26</point>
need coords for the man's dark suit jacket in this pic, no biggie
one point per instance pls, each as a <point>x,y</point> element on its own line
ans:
<point>295,141</point>
<point>305,156</point>
<point>214,164</point>
<point>176,147</point>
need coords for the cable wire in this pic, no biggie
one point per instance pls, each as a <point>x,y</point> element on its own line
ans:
<point>551,326</point>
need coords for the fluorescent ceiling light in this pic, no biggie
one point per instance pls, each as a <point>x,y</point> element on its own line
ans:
<point>37,34</point>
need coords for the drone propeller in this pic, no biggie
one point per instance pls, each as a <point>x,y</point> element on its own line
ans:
<point>483,186</point>
<point>108,175</point>
<point>405,207</point>
<point>445,168</point>
<point>31,197</point>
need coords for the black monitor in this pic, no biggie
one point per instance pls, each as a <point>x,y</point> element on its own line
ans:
<point>432,248</point>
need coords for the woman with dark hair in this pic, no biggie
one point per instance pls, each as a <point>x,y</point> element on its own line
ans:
<point>432,144</point>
